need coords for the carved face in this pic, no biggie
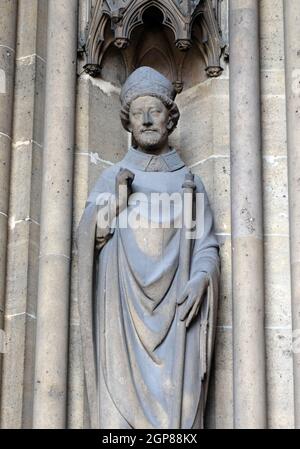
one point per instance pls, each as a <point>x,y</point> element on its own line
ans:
<point>149,120</point>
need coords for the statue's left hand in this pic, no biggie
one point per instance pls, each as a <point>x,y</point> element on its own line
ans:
<point>191,299</point>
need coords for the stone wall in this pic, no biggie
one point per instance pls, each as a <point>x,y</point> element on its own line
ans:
<point>203,139</point>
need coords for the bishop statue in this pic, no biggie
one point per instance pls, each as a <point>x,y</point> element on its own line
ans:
<point>148,273</point>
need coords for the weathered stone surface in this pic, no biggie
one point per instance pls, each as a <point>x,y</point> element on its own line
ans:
<point>82,132</point>
<point>25,197</point>
<point>81,183</point>
<point>275,190</point>
<point>215,174</point>
<point>194,143</point>
<point>5,152</point>
<point>22,270</point>
<point>271,34</point>
<point>49,407</point>
<point>7,22</point>
<point>220,123</point>
<point>106,137</point>
<point>29,100</point>
<point>273,125</point>
<point>16,409</point>
<point>29,366</point>
<point>50,378</point>
<point>279,378</point>
<point>220,413</point>
<point>225,295</point>
<point>8,19</point>
<point>3,250</point>
<point>6,89</point>
<point>76,388</point>
<point>277,281</point>
<point>24,214</point>
<point>273,83</point>
<point>32,34</point>
<point>292,73</point>
<point>246,212</point>
<point>76,385</point>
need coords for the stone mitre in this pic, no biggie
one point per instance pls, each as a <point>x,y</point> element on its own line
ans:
<point>146,81</point>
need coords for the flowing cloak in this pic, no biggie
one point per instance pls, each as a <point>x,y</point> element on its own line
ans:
<point>127,305</point>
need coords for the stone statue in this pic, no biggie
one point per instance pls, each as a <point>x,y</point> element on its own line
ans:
<point>147,293</point>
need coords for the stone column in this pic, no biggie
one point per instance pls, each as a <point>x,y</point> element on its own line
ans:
<point>292,65</point>
<point>246,216</point>
<point>24,215</point>
<point>56,217</point>
<point>8,15</point>
<point>76,383</point>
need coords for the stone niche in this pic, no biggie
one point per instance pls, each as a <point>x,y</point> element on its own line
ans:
<point>186,41</point>
<point>155,32</point>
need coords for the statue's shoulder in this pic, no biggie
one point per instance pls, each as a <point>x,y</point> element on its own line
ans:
<point>107,177</point>
<point>104,184</point>
<point>110,172</point>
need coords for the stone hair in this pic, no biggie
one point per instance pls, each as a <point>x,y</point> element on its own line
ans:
<point>169,104</point>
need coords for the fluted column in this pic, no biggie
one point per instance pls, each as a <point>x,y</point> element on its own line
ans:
<point>246,216</point>
<point>24,215</point>
<point>76,383</point>
<point>8,15</point>
<point>292,64</point>
<point>56,217</point>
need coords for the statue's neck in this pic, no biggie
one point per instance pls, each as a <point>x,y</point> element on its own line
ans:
<point>155,151</point>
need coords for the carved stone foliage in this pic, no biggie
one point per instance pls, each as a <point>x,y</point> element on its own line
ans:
<point>160,33</point>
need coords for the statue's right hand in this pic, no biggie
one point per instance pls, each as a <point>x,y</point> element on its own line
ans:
<point>124,177</point>
<point>124,180</point>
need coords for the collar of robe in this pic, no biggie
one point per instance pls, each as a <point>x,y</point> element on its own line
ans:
<point>167,162</point>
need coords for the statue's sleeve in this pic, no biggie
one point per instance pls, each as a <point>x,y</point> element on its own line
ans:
<point>103,196</point>
<point>205,258</point>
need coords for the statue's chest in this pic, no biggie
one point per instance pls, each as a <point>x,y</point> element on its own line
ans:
<point>152,220</point>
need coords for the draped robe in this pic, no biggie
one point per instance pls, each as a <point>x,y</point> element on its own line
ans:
<point>128,312</point>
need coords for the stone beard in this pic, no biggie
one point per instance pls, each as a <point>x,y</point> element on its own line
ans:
<point>130,298</point>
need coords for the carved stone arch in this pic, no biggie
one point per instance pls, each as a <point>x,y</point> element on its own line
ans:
<point>95,42</point>
<point>153,41</point>
<point>168,63</point>
<point>114,65</point>
<point>136,11</point>
<point>193,24</point>
<point>213,43</point>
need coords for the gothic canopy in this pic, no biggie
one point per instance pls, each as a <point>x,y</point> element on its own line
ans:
<point>190,23</point>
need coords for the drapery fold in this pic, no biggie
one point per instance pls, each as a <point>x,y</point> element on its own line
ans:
<point>127,304</point>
